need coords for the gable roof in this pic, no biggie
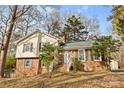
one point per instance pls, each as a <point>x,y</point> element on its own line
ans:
<point>35,33</point>
<point>79,45</point>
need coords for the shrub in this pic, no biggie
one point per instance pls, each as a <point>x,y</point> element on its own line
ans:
<point>47,54</point>
<point>76,64</point>
<point>10,62</point>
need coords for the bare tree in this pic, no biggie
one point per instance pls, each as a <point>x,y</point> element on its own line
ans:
<point>52,21</point>
<point>14,13</point>
<point>91,24</point>
<point>30,21</point>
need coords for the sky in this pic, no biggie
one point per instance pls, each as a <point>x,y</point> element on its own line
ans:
<point>100,11</point>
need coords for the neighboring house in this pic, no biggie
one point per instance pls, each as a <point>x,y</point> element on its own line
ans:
<point>27,52</point>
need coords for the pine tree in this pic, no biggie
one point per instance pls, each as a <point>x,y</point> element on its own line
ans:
<point>104,46</point>
<point>73,28</point>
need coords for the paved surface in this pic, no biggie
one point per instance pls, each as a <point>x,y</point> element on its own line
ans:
<point>120,72</point>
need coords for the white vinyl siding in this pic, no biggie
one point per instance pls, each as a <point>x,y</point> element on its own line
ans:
<point>25,49</point>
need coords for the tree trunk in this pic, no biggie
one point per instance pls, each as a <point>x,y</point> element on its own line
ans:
<point>7,40</point>
<point>26,30</point>
<point>121,53</point>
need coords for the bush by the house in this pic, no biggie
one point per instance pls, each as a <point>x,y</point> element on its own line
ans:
<point>76,64</point>
<point>10,62</point>
<point>47,54</point>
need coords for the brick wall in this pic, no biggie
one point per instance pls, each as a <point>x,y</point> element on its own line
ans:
<point>93,66</point>
<point>33,70</point>
<point>63,68</point>
<point>87,66</point>
<point>89,55</point>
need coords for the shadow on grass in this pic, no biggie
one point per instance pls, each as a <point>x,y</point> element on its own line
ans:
<point>75,84</point>
<point>53,83</point>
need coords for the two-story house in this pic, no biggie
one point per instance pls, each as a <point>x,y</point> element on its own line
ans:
<point>27,52</point>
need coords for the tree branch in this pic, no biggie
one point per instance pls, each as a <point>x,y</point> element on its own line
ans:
<point>23,11</point>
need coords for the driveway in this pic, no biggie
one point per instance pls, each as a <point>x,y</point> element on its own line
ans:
<point>120,72</point>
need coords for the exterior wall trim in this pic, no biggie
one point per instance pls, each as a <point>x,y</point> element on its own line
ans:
<point>27,58</point>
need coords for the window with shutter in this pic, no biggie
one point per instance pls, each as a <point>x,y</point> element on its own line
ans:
<point>28,47</point>
<point>81,54</point>
<point>86,54</point>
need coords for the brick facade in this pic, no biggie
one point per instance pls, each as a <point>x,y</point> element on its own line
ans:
<point>87,66</point>
<point>22,69</point>
<point>63,68</point>
<point>92,66</point>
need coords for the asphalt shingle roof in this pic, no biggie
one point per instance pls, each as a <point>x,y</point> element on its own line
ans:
<point>79,45</point>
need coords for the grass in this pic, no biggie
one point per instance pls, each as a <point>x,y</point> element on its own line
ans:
<point>67,80</point>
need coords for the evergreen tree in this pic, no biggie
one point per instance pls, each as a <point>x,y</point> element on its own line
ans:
<point>105,45</point>
<point>47,54</point>
<point>73,28</point>
<point>117,19</point>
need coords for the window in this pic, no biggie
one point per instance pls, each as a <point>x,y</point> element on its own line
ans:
<point>28,63</point>
<point>81,54</point>
<point>86,54</point>
<point>28,47</point>
<point>96,58</point>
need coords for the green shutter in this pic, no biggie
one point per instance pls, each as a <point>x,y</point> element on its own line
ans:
<point>31,47</point>
<point>23,47</point>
